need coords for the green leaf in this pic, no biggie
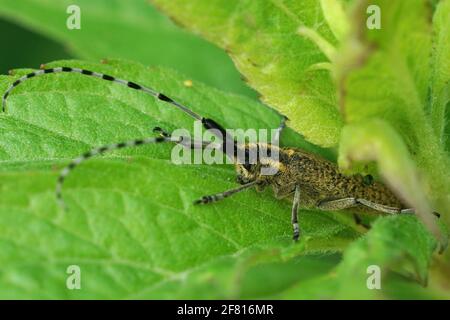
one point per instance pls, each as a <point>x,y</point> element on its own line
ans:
<point>392,98</point>
<point>379,73</point>
<point>130,30</point>
<point>376,141</point>
<point>253,274</point>
<point>392,83</point>
<point>132,227</point>
<point>440,77</point>
<point>335,17</point>
<point>441,67</point>
<point>398,243</point>
<point>287,68</point>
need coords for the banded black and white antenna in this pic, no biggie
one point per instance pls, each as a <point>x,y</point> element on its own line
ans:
<point>229,145</point>
<point>129,84</point>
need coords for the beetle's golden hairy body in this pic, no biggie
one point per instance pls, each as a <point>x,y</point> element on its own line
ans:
<point>317,178</point>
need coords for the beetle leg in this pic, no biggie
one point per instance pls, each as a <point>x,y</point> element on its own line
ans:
<point>225,194</point>
<point>345,203</point>
<point>337,204</point>
<point>294,213</point>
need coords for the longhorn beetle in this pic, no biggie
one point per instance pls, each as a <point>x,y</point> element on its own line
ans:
<point>311,180</point>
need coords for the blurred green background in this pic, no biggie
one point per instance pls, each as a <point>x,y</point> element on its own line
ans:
<point>35,32</point>
<point>21,41</point>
